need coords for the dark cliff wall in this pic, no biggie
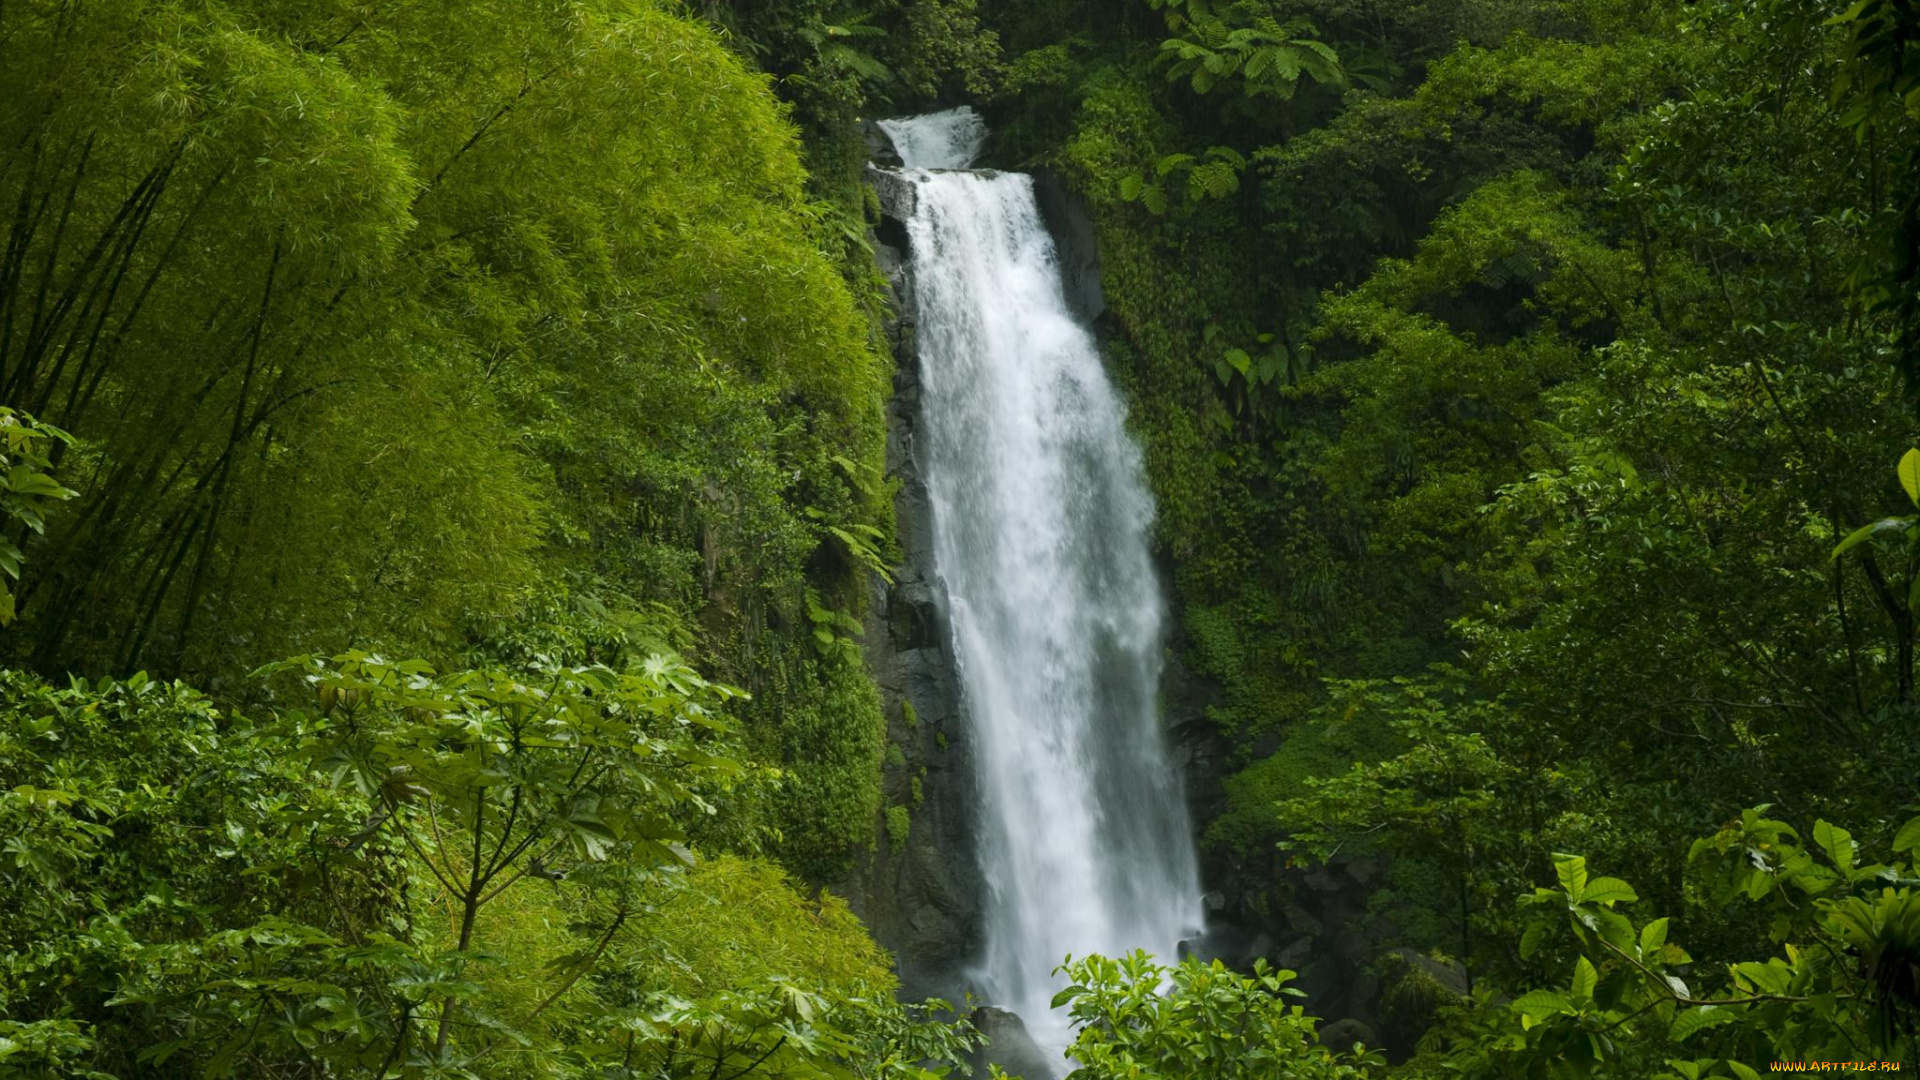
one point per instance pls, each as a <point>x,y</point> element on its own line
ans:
<point>919,888</point>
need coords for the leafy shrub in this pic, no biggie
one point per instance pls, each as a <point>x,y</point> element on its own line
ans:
<point>1193,1021</point>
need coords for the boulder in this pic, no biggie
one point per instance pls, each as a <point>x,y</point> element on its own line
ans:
<point>1300,920</point>
<point>1341,1035</point>
<point>1295,956</point>
<point>1322,881</point>
<point>1009,1046</point>
<point>1444,975</point>
<point>1075,242</point>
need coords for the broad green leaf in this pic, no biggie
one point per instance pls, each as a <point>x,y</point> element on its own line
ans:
<point>1853,12</point>
<point>1910,475</point>
<point>1769,978</point>
<point>1908,838</point>
<point>26,481</point>
<point>1535,1006</point>
<point>1572,872</point>
<point>1836,842</point>
<point>1699,1019</point>
<point>1867,532</point>
<point>1530,939</point>
<point>1608,890</point>
<point>591,837</point>
<point>1585,978</point>
<point>1652,937</point>
<point>1613,928</point>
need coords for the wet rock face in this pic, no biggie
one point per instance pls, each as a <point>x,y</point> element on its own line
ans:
<point>1076,242</point>
<point>919,889</point>
<point>898,197</point>
<point>880,149</point>
<point>1315,922</point>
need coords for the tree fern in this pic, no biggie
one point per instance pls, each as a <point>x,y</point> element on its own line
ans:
<point>1267,56</point>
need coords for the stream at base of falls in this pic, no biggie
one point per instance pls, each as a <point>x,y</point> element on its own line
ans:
<point>1041,521</point>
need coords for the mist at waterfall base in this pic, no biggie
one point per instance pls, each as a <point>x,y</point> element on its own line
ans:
<point>1040,522</point>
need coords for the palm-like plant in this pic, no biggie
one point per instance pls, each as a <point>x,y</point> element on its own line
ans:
<point>1246,42</point>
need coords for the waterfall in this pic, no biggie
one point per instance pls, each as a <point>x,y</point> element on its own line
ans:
<point>1040,524</point>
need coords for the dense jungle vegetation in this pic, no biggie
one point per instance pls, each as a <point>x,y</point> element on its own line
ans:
<point>444,458</point>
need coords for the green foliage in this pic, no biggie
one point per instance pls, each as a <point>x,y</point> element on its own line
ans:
<point>835,58</point>
<point>1247,43</point>
<point>777,1030</point>
<point>469,874</point>
<point>1879,84</point>
<point>1559,351</point>
<point>1435,801</point>
<point>899,823</point>
<point>730,922</point>
<point>1637,1004</point>
<point>504,271</point>
<point>1215,175</point>
<point>833,736</point>
<point>574,775</point>
<point>1324,745</point>
<point>1192,1021</point>
<point>1549,343</point>
<point>833,632</point>
<point>385,328</point>
<point>26,490</point>
<point>132,811</point>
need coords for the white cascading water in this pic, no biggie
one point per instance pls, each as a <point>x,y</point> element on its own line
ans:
<point>1040,523</point>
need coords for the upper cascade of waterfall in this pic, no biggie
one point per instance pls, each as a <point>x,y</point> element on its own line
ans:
<point>1041,520</point>
<point>950,139</point>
